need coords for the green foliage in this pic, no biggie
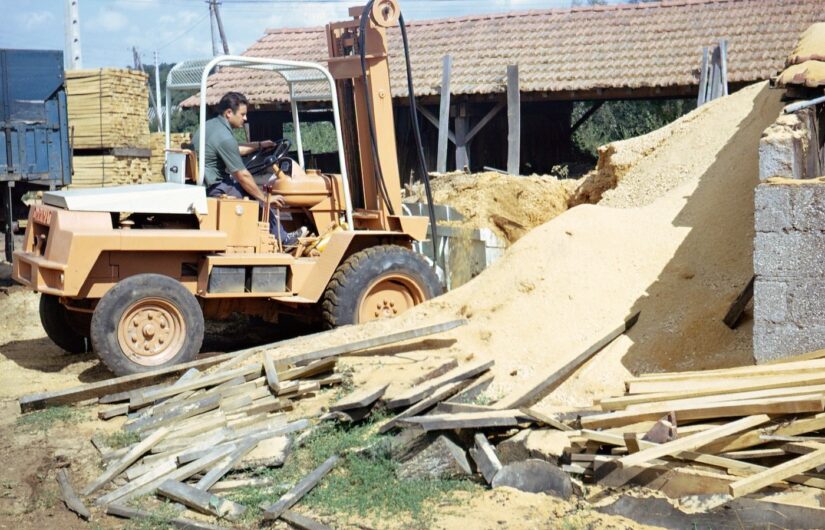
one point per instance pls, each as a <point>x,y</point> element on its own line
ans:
<point>43,420</point>
<point>119,439</point>
<point>363,484</point>
<point>618,120</point>
<point>160,514</point>
<point>317,137</point>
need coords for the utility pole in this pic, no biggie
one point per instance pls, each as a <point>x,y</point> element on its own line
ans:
<point>139,67</point>
<point>212,26</point>
<point>159,106</point>
<point>74,60</point>
<point>215,12</point>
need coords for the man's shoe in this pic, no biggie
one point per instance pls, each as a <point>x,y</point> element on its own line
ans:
<point>293,237</point>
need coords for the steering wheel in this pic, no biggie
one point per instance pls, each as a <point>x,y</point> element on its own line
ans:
<point>265,157</point>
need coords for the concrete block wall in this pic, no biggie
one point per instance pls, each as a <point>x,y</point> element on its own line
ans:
<point>789,263</point>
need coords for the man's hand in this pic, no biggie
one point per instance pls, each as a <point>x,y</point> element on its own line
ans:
<point>277,200</point>
<point>267,144</point>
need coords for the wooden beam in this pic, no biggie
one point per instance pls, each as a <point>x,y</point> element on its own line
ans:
<point>201,501</point>
<point>737,308</point>
<point>120,466</point>
<point>271,373</point>
<point>462,152</point>
<point>484,121</point>
<point>440,370</point>
<point>419,392</point>
<point>215,379</point>
<point>513,121</point>
<point>694,441</point>
<point>591,111</point>
<point>303,487</point>
<point>444,114</point>
<point>374,342</point>
<point>485,457</point>
<point>782,405</point>
<point>533,394</point>
<point>545,419</point>
<point>302,522</point>
<point>312,369</point>
<point>818,354</point>
<point>69,496</point>
<point>126,512</point>
<point>701,98</point>
<point>468,420</point>
<point>442,393</point>
<point>778,473</point>
<point>360,398</point>
<point>432,119</point>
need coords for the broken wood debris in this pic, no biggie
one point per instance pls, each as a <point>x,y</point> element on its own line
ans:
<point>70,498</point>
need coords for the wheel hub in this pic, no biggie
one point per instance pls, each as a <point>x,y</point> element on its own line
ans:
<point>151,331</point>
<point>389,296</point>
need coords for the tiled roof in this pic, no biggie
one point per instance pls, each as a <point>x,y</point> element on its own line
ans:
<point>601,47</point>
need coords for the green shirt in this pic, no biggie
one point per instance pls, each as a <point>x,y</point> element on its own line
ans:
<point>221,152</point>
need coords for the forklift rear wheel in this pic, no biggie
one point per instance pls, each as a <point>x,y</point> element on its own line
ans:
<point>146,322</point>
<point>64,327</point>
<point>376,283</point>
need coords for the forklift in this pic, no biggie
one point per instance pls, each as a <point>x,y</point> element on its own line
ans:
<point>135,270</point>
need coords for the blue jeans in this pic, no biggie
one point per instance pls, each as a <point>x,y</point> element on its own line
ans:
<point>234,189</point>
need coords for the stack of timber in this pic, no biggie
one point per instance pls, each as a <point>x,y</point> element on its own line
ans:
<point>157,142</point>
<point>108,120</point>
<point>733,431</point>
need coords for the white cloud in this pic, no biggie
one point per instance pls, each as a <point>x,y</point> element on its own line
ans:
<point>35,19</point>
<point>109,20</point>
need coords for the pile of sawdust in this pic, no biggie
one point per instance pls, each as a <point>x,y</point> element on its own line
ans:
<point>510,206</point>
<point>680,260</point>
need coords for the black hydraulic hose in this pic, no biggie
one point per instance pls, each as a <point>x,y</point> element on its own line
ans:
<point>379,175</point>
<point>422,165</point>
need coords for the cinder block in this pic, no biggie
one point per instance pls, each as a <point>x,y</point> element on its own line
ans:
<point>808,205</point>
<point>806,303</point>
<point>788,148</point>
<point>777,157</point>
<point>770,300</point>
<point>792,254</point>
<point>772,208</point>
<point>776,341</point>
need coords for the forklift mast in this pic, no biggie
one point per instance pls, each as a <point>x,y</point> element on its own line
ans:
<point>359,62</point>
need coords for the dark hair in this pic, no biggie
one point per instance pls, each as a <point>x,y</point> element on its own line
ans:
<point>232,100</point>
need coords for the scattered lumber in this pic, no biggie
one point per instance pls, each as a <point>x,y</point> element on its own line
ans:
<point>120,510</point>
<point>69,496</point>
<point>442,393</point>
<point>535,393</point>
<point>136,452</point>
<point>289,499</point>
<point>468,420</point>
<point>484,455</point>
<point>360,398</point>
<point>201,501</point>
<point>434,458</point>
<point>419,392</point>
<point>778,473</point>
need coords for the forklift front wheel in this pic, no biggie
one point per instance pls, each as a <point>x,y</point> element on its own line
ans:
<point>65,328</point>
<point>146,322</point>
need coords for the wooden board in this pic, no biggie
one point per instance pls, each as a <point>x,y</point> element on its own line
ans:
<point>419,392</point>
<point>442,393</point>
<point>785,405</point>
<point>360,398</point>
<point>126,512</point>
<point>557,376</point>
<point>201,501</point>
<point>120,466</point>
<point>485,457</point>
<point>468,420</point>
<point>303,487</point>
<point>778,473</point>
<point>69,496</point>
<point>625,402</point>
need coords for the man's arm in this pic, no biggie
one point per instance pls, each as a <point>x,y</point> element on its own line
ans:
<point>251,147</point>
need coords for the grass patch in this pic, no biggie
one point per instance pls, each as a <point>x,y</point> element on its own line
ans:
<point>121,439</point>
<point>43,420</point>
<point>160,513</point>
<point>363,485</point>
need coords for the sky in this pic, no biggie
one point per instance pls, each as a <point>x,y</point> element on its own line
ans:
<point>180,29</point>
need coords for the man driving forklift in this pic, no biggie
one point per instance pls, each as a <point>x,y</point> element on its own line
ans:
<point>225,172</point>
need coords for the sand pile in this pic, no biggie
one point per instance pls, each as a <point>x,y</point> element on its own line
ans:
<point>510,206</point>
<point>681,260</point>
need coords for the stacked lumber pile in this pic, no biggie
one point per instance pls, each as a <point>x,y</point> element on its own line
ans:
<point>109,170</point>
<point>157,142</point>
<point>108,108</point>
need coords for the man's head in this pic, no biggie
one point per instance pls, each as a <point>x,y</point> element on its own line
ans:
<point>233,107</point>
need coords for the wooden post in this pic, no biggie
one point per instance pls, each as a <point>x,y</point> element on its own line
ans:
<point>462,157</point>
<point>715,75</point>
<point>444,115</point>
<point>723,62</point>
<point>703,79</point>
<point>513,121</point>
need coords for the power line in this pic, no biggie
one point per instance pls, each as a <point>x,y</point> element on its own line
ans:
<point>184,33</point>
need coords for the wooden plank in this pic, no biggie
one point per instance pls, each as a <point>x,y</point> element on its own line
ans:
<point>419,392</point>
<point>374,342</point>
<point>750,439</point>
<point>438,371</point>
<point>533,394</point>
<point>201,382</point>
<point>626,402</point>
<point>485,457</point>
<point>800,448</point>
<point>118,510</point>
<point>179,413</point>
<point>201,501</point>
<point>360,398</point>
<point>694,441</point>
<point>162,468</point>
<point>737,308</point>
<point>118,384</point>
<point>778,473</point>
<point>217,472</point>
<point>271,374</point>
<point>473,391</point>
<point>455,408</point>
<point>111,412</point>
<point>540,417</point>
<point>513,121</point>
<point>302,522</point>
<point>229,485</point>
<point>312,369</point>
<point>69,496</point>
<point>783,405</point>
<point>442,393</point>
<point>462,153</point>
<point>817,354</point>
<point>755,454</point>
<point>444,115</point>
<point>119,467</point>
<point>303,487</point>
<point>726,374</point>
<point>468,420</point>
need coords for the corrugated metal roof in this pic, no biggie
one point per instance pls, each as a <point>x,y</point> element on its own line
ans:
<point>577,49</point>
